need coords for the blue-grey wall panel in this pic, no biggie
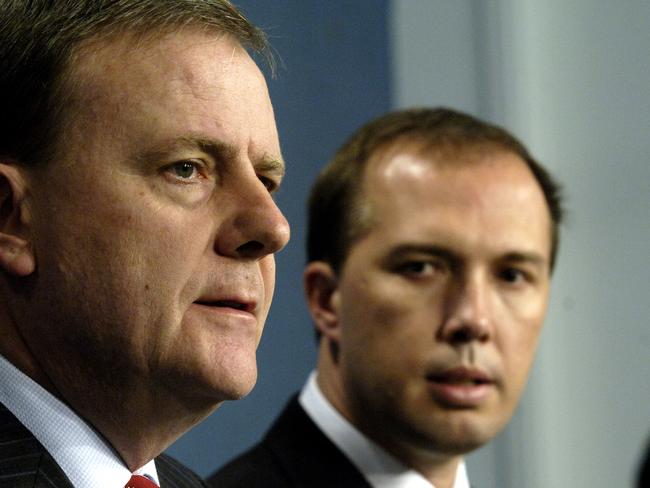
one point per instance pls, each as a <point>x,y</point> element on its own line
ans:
<point>333,75</point>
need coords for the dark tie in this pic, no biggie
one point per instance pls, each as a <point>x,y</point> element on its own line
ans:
<point>138,481</point>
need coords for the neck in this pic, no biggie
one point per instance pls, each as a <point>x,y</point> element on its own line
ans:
<point>440,471</point>
<point>146,435</point>
<point>136,422</point>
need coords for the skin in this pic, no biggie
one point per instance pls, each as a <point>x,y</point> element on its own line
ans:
<point>453,272</point>
<point>140,260</point>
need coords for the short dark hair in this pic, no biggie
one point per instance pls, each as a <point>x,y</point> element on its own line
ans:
<point>38,38</point>
<point>334,220</point>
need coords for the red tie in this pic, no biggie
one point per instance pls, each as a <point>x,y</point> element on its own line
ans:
<point>138,481</point>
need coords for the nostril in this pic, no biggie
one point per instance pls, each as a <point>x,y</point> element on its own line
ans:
<point>251,249</point>
<point>461,336</point>
<point>468,332</point>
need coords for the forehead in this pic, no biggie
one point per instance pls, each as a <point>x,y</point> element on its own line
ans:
<point>485,173</point>
<point>188,81</point>
<point>476,200</point>
<point>99,56</point>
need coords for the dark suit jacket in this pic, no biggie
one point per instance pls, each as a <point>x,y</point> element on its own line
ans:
<point>294,453</point>
<point>24,462</point>
<point>644,471</point>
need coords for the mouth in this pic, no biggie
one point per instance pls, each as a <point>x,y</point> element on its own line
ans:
<point>461,377</point>
<point>247,307</point>
<point>461,387</point>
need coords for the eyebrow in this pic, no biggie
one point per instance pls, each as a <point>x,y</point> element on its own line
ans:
<point>439,251</point>
<point>526,257</point>
<point>216,149</point>
<point>430,249</point>
<point>270,165</point>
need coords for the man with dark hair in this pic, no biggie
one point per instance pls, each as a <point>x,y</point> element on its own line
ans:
<point>432,237</point>
<point>138,155</point>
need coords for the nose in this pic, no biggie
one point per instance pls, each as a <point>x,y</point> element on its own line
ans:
<point>468,316</point>
<point>256,226</point>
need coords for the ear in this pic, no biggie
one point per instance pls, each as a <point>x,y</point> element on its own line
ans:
<point>16,255</point>
<point>323,298</point>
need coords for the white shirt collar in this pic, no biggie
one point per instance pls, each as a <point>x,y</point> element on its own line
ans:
<point>83,455</point>
<point>381,469</point>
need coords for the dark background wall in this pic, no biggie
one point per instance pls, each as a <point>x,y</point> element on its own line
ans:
<point>333,75</point>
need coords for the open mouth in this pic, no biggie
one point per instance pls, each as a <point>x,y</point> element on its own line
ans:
<point>224,304</point>
<point>461,387</point>
<point>461,377</point>
<point>459,382</point>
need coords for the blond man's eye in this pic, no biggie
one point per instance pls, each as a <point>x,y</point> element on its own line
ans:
<point>184,170</point>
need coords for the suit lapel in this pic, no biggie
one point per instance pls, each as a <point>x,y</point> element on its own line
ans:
<point>307,456</point>
<point>173,474</point>
<point>24,462</point>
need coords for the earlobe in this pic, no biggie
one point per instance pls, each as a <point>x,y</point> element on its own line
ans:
<point>16,255</point>
<point>321,289</point>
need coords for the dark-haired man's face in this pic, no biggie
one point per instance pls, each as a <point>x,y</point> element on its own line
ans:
<point>154,228</point>
<point>441,302</point>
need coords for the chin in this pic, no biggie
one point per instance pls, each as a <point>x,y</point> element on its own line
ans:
<point>470,437</point>
<point>453,436</point>
<point>236,389</point>
<point>208,387</point>
<point>448,443</point>
<point>463,445</point>
<point>235,384</point>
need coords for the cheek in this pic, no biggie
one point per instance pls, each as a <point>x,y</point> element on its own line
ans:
<point>529,330</point>
<point>383,323</point>
<point>518,327</point>
<point>528,348</point>
<point>267,269</point>
<point>518,351</point>
<point>404,312</point>
<point>135,257</point>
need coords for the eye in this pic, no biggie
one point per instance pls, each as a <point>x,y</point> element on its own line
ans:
<point>420,268</point>
<point>513,275</point>
<point>416,267</point>
<point>184,170</point>
<point>270,184</point>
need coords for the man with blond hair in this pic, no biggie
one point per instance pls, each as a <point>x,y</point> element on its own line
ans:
<point>138,154</point>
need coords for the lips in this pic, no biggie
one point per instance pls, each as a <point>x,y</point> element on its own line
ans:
<point>461,376</point>
<point>461,387</point>
<point>235,304</point>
